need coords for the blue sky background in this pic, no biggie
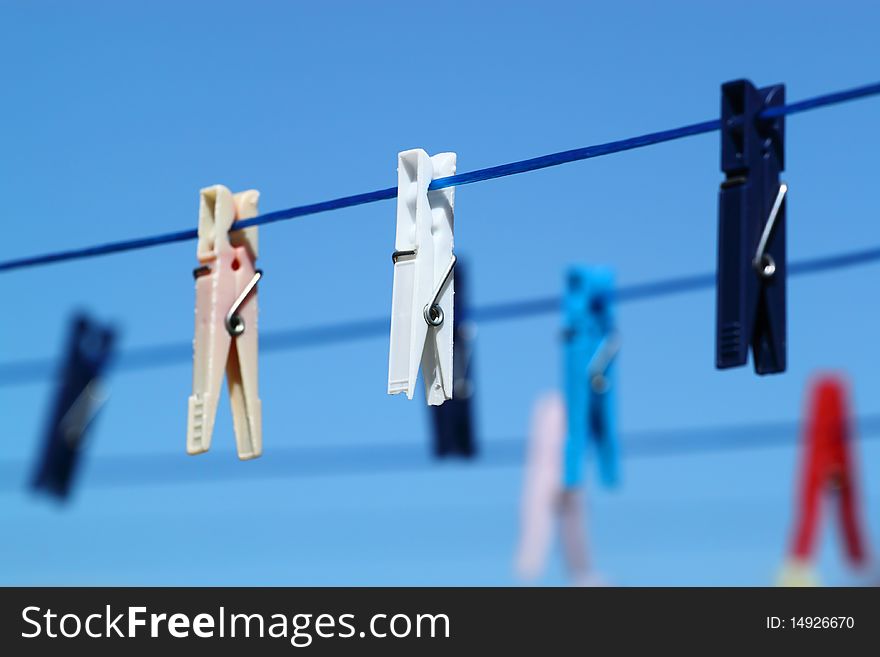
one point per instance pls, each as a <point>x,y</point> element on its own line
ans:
<point>115,114</point>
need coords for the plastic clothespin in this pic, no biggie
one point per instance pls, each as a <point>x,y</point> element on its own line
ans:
<point>78,400</point>
<point>546,501</point>
<point>827,466</point>
<point>591,347</point>
<point>421,304</point>
<point>226,322</point>
<point>453,423</point>
<point>751,275</point>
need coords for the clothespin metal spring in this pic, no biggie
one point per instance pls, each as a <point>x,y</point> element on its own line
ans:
<point>763,262</point>
<point>432,312</point>
<point>234,323</point>
<point>600,363</point>
<point>81,413</point>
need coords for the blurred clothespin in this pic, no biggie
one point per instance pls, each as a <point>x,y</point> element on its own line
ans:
<point>591,346</point>
<point>546,501</point>
<point>751,274</point>
<point>78,399</point>
<point>226,322</point>
<point>827,467</point>
<point>421,303</point>
<point>454,427</point>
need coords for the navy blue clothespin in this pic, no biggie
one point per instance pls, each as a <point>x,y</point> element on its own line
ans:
<point>591,346</point>
<point>751,275</point>
<point>77,401</point>
<point>453,421</point>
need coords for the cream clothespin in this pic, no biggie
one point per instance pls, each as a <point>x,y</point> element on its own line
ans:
<point>421,303</point>
<point>226,322</point>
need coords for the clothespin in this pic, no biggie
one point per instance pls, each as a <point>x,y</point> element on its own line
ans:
<point>226,322</point>
<point>546,502</point>
<point>751,275</point>
<point>78,399</point>
<point>421,303</point>
<point>453,423</point>
<point>827,467</point>
<point>591,347</point>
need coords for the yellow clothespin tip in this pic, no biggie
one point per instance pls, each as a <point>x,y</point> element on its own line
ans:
<point>797,572</point>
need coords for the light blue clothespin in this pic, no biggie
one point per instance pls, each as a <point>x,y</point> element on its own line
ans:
<point>591,345</point>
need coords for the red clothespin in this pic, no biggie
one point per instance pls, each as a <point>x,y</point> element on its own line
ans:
<point>827,466</point>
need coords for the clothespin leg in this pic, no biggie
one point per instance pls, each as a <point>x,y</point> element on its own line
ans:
<point>541,486</point>
<point>604,421</point>
<point>573,533</point>
<point>241,375</point>
<point>437,360</point>
<point>576,405</point>
<point>209,363</point>
<point>412,259</point>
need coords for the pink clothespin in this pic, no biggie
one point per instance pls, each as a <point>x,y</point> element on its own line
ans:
<point>547,501</point>
<point>226,322</point>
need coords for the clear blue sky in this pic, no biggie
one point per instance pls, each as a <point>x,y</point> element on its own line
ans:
<point>115,114</point>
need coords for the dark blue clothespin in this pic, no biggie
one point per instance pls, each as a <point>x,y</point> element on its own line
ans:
<point>591,346</point>
<point>751,275</point>
<point>453,422</point>
<point>77,401</point>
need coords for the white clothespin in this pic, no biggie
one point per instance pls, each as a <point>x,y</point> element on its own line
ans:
<point>421,303</point>
<point>226,322</point>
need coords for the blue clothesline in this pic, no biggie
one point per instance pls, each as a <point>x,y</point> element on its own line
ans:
<point>302,461</point>
<point>29,371</point>
<point>489,173</point>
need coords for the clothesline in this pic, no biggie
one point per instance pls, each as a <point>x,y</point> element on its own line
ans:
<point>480,175</point>
<point>28,371</point>
<point>380,458</point>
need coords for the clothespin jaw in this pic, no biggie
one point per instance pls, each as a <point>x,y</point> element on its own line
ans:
<point>453,422</point>
<point>751,277</point>
<point>422,315</point>
<point>77,401</point>
<point>226,322</point>
<point>591,346</point>
<point>827,468</point>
